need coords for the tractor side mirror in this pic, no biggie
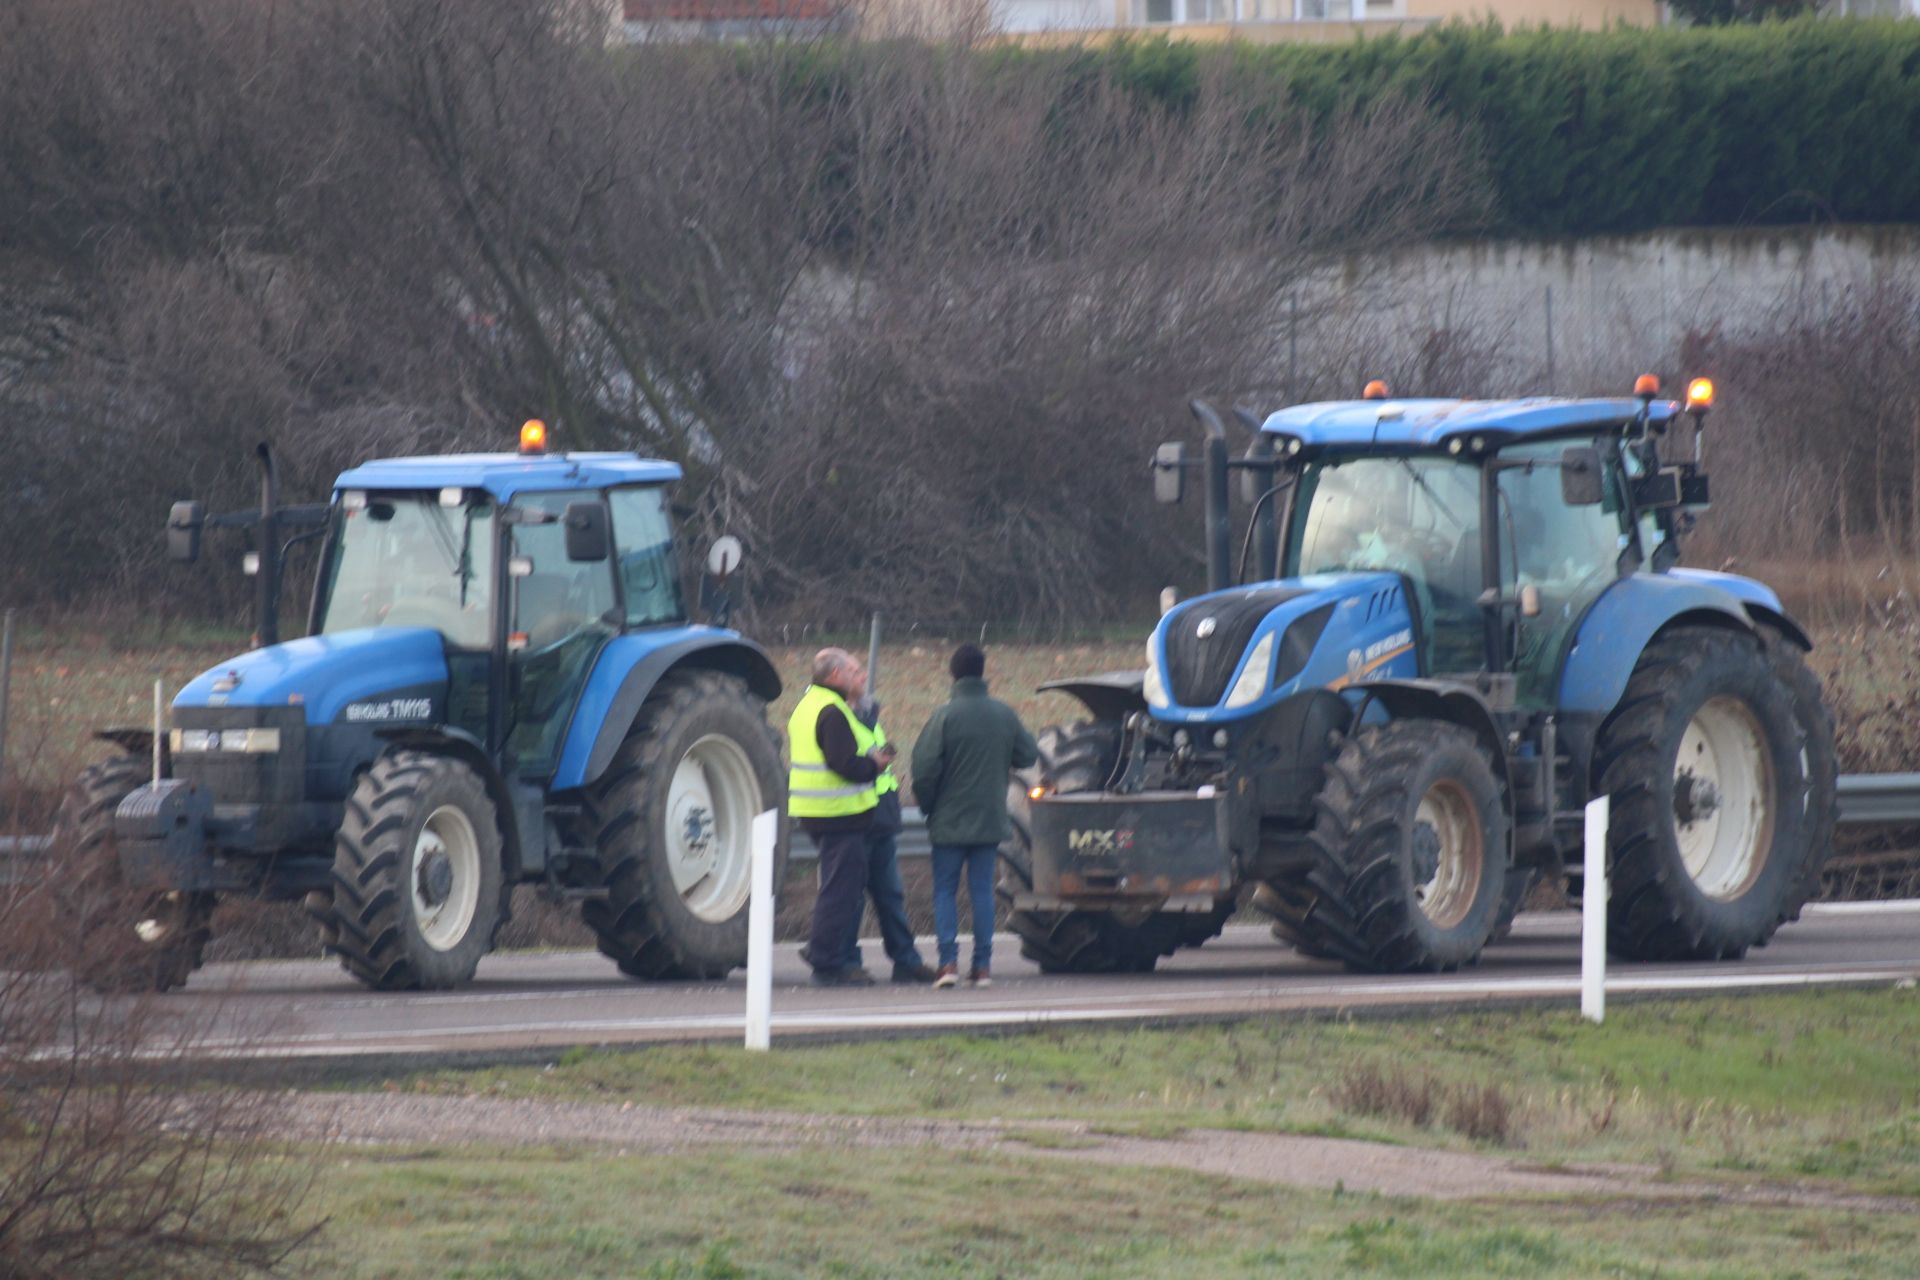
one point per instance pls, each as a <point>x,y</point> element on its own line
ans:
<point>184,523</point>
<point>1657,490</point>
<point>589,536</point>
<point>1580,477</point>
<point>1169,473</point>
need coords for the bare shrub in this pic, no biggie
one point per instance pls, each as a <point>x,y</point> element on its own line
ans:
<point>114,1162</point>
<point>1368,1091</point>
<point>1483,1113</point>
<point>1820,457</point>
<point>1480,1113</point>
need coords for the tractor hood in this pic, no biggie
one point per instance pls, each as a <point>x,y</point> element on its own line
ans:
<point>360,676</point>
<point>1233,654</point>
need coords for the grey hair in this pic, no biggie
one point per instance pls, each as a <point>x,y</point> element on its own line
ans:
<point>829,663</point>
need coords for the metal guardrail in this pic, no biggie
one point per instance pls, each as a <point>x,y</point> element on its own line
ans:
<point>1865,799</point>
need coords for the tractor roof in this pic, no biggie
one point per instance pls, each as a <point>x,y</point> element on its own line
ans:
<point>505,474</point>
<point>1428,424</point>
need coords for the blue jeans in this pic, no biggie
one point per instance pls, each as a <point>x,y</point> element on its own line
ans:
<point>889,901</point>
<point>978,861</point>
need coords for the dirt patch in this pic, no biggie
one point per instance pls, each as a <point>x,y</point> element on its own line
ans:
<point>1282,1159</point>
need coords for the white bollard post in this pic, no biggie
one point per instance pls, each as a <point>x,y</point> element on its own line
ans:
<point>1593,915</point>
<point>766,832</point>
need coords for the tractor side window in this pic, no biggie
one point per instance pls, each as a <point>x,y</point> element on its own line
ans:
<point>1569,554</point>
<point>562,613</point>
<point>649,571</point>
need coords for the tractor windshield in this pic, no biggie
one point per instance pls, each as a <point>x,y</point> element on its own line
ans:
<point>1417,516</point>
<point>404,559</point>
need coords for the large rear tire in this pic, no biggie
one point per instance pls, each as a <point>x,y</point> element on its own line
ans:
<point>1081,757</point>
<point>672,820</point>
<point>418,885</point>
<point>1410,851</point>
<point>124,939</point>
<point>1719,761</point>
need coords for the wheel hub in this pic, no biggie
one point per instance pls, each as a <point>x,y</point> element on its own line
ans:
<point>1425,852</point>
<point>1694,799</point>
<point>436,876</point>
<point>696,832</point>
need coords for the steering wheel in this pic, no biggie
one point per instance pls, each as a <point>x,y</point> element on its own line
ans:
<point>423,611</point>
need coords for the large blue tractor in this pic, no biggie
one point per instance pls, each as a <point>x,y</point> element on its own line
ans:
<point>1464,621</point>
<point>499,686</point>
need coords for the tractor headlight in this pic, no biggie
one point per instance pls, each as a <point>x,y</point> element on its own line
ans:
<point>250,741</point>
<point>1255,675</point>
<point>1154,688</point>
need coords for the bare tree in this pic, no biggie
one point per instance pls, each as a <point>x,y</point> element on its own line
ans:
<point>114,1161</point>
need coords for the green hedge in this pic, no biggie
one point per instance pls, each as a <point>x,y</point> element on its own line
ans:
<point>1615,131</point>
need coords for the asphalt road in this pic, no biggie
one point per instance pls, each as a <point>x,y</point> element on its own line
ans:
<point>529,1004</point>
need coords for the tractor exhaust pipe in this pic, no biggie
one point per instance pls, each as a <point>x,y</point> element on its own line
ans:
<point>266,582</point>
<point>1219,540</point>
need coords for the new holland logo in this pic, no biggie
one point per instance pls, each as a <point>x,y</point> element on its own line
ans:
<point>1101,843</point>
<point>1206,628</point>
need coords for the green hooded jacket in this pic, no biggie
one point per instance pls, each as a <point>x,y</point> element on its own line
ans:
<point>961,762</point>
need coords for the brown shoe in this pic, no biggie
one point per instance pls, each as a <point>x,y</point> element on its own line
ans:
<point>979,977</point>
<point>949,976</point>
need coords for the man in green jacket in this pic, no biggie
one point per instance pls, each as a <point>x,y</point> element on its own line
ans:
<point>960,768</point>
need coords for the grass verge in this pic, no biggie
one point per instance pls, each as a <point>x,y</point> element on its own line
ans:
<point>727,1216</point>
<point>1819,1085</point>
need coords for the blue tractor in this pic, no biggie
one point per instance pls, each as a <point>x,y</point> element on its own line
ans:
<point>499,686</point>
<point>1464,621</point>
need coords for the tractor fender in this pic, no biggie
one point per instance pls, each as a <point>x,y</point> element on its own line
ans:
<point>458,744</point>
<point>1762,605</point>
<point>1439,700</point>
<point>139,742</point>
<point>1630,613</point>
<point>1111,695</point>
<point>624,674</point>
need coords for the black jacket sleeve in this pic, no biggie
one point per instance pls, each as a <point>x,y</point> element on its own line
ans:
<point>843,755</point>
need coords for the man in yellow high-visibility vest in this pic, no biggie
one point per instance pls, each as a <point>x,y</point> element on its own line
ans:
<point>832,792</point>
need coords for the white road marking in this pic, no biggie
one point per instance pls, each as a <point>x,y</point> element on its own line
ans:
<point>360,1043</point>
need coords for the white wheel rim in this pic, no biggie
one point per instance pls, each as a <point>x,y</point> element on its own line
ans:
<point>1447,896</point>
<point>444,912</point>
<point>711,804</point>
<point>1723,798</point>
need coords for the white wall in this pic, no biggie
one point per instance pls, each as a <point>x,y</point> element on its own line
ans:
<point>1017,16</point>
<point>1618,304</point>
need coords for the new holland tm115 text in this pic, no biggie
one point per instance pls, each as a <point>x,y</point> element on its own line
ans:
<point>1466,620</point>
<point>499,686</point>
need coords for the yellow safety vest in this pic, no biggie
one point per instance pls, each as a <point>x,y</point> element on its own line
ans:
<point>814,790</point>
<point>877,737</point>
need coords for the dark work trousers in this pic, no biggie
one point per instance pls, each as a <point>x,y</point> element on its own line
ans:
<point>889,901</point>
<point>842,898</point>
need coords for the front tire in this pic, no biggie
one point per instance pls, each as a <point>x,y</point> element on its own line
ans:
<point>1721,777</point>
<point>672,820</point>
<point>1411,850</point>
<point>418,885</point>
<point>125,939</point>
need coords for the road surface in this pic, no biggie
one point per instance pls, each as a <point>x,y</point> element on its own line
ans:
<point>528,1005</point>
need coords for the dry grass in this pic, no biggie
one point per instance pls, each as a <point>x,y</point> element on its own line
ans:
<point>1480,1113</point>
